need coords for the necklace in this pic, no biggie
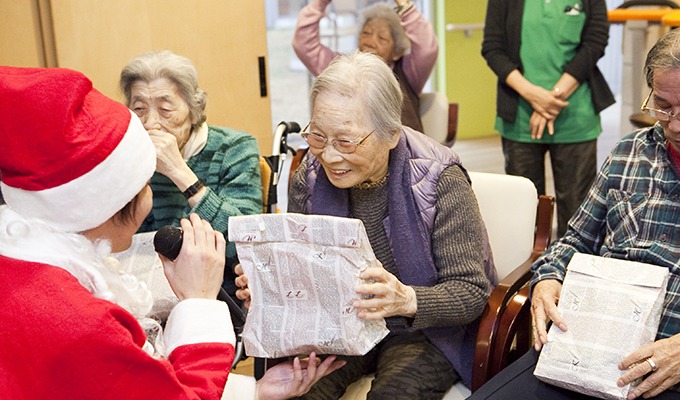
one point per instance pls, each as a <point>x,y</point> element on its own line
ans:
<point>374,184</point>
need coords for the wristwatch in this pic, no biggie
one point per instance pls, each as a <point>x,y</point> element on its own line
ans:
<point>193,189</point>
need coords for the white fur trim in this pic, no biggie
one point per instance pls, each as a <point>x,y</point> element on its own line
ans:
<point>239,387</point>
<point>195,321</point>
<point>91,199</point>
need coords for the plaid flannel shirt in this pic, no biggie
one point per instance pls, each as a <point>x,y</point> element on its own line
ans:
<point>632,212</point>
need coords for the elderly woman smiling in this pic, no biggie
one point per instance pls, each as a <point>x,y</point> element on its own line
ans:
<point>208,170</point>
<point>423,224</point>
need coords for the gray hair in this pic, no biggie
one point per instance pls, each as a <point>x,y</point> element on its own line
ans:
<point>366,80</point>
<point>165,64</point>
<point>665,54</point>
<point>402,45</point>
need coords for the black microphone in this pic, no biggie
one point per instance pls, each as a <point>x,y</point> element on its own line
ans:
<point>168,242</point>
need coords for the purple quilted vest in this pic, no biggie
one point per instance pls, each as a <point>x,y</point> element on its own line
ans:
<point>415,166</point>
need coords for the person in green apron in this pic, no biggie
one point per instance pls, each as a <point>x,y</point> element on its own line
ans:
<point>550,91</point>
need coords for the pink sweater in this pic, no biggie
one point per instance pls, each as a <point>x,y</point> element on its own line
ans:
<point>60,342</point>
<point>418,64</point>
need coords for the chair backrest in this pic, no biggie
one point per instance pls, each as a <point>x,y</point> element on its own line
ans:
<point>434,114</point>
<point>266,175</point>
<point>508,207</point>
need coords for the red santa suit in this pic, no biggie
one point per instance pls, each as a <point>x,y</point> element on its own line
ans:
<point>61,342</point>
<point>70,158</point>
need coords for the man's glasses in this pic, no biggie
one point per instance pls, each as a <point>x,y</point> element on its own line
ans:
<point>319,142</point>
<point>661,115</point>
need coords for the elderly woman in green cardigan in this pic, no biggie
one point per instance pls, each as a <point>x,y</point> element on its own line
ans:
<point>208,170</point>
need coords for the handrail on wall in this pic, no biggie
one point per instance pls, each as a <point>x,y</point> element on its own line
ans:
<point>466,28</point>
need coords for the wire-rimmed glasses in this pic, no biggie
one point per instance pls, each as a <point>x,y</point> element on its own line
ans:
<point>661,115</point>
<point>345,146</point>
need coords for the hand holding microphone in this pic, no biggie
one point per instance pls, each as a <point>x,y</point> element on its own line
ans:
<point>168,242</point>
<point>198,270</point>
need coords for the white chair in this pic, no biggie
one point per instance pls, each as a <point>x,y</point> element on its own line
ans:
<point>519,224</point>
<point>438,123</point>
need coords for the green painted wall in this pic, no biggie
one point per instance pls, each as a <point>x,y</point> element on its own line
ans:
<point>467,79</point>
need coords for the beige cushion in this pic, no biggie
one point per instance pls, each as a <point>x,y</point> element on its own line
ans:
<point>507,201</point>
<point>434,114</point>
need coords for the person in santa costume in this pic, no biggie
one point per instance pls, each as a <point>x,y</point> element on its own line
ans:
<point>75,168</point>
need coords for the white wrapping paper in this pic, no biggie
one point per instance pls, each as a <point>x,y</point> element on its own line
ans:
<point>302,271</point>
<point>611,308</point>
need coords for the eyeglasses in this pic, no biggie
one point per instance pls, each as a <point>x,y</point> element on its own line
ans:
<point>319,142</point>
<point>661,115</point>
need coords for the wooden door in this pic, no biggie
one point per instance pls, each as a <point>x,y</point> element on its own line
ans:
<point>21,43</point>
<point>226,40</point>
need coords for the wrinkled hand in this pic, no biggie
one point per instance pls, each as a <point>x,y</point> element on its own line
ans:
<point>545,102</point>
<point>243,292</point>
<point>538,123</point>
<point>665,353</point>
<point>198,270</point>
<point>295,378</point>
<point>382,295</point>
<point>546,293</point>
<point>168,157</point>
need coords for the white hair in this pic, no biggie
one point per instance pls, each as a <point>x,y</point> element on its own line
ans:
<point>365,79</point>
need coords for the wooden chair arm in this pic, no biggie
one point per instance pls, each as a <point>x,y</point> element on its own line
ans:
<point>486,360</point>
<point>514,332</point>
<point>544,223</point>
<point>490,319</point>
<point>452,128</point>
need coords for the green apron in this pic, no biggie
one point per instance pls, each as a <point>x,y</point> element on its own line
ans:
<point>551,33</point>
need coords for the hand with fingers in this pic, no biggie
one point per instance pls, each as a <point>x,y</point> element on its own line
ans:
<point>539,121</point>
<point>546,294</point>
<point>243,292</point>
<point>198,270</point>
<point>168,156</point>
<point>538,124</point>
<point>294,378</point>
<point>544,102</point>
<point>658,364</point>
<point>382,295</point>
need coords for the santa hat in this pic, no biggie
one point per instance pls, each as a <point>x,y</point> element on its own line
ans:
<point>69,155</point>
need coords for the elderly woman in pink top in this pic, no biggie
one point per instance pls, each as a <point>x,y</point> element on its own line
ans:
<point>400,36</point>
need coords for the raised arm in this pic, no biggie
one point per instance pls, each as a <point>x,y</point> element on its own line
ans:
<point>307,39</point>
<point>419,63</point>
